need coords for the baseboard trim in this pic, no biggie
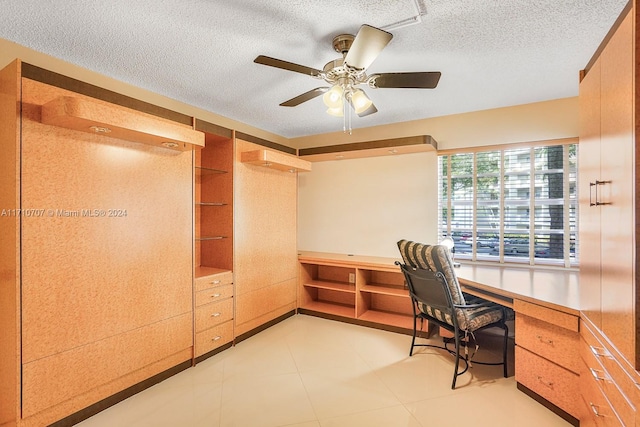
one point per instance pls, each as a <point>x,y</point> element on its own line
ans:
<point>550,406</point>
<point>118,397</point>
<point>264,326</point>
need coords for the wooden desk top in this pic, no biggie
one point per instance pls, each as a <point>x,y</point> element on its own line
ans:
<point>553,288</point>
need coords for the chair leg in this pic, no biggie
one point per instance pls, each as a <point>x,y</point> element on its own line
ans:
<point>413,340</point>
<point>504,349</point>
<point>457,361</point>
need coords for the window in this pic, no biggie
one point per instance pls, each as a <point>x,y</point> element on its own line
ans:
<point>511,205</point>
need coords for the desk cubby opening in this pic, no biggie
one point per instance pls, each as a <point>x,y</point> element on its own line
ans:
<point>328,289</point>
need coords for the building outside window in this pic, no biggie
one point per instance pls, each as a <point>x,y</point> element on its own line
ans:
<point>511,204</point>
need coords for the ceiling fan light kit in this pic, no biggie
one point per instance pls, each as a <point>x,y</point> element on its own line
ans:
<point>346,73</point>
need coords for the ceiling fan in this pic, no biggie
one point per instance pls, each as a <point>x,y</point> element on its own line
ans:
<point>347,73</point>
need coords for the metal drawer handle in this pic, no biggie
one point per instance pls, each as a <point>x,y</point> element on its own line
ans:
<point>546,383</point>
<point>596,374</point>
<point>596,410</point>
<point>215,282</point>
<point>215,315</point>
<point>599,351</point>
<point>546,341</point>
<point>215,295</point>
<point>216,338</point>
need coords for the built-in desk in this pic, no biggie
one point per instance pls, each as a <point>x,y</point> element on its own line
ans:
<point>552,288</point>
<point>371,291</point>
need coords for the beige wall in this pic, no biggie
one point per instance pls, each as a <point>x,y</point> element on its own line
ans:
<point>531,122</point>
<point>364,206</point>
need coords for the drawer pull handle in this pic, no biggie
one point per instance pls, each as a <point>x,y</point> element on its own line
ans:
<point>599,351</point>
<point>215,282</point>
<point>546,383</point>
<point>596,410</point>
<point>546,341</point>
<point>596,374</point>
<point>215,315</point>
<point>216,338</point>
<point>215,295</point>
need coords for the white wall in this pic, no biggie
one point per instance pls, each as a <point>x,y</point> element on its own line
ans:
<point>364,206</point>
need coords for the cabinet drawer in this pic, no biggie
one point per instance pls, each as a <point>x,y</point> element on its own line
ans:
<point>596,410</point>
<point>554,383</point>
<point>597,373</point>
<point>211,315</point>
<point>213,338</point>
<point>214,294</point>
<point>554,343</point>
<point>558,318</point>
<point>219,279</point>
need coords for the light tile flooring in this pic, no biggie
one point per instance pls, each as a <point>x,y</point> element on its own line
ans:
<point>313,372</point>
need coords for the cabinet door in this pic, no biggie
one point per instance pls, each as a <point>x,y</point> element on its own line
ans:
<point>617,162</point>
<point>589,163</point>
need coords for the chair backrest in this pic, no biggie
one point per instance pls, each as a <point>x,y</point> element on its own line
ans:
<point>429,288</point>
<point>434,258</point>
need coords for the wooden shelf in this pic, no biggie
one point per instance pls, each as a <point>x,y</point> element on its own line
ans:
<point>208,171</point>
<point>201,271</point>
<point>334,286</point>
<point>385,290</point>
<point>331,308</point>
<point>275,160</point>
<point>386,318</point>
<point>119,122</point>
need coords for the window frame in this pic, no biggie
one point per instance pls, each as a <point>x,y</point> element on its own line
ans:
<point>569,202</point>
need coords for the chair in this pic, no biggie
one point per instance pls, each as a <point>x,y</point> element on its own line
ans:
<point>437,298</point>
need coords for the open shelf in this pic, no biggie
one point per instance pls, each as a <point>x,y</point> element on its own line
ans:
<point>276,160</point>
<point>385,290</point>
<point>331,308</point>
<point>334,286</point>
<point>119,122</point>
<point>388,318</point>
<point>211,204</point>
<point>208,171</point>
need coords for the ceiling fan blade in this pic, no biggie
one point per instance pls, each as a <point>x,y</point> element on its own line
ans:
<point>372,109</point>
<point>278,63</point>
<point>304,97</point>
<point>366,47</point>
<point>423,80</point>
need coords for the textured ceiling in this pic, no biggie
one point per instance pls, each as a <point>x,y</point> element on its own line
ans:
<point>491,53</point>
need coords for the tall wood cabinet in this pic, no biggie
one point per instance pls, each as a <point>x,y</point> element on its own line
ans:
<point>214,303</point>
<point>608,238</point>
<point>96,250</point>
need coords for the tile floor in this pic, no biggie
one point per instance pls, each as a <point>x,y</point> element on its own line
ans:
<point>313,372</point>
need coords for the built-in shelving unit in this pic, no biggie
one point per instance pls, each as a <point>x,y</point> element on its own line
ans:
<point>276,160</point>
<point>214,203</point>
<point>119,122</point>
<point>367,289</point>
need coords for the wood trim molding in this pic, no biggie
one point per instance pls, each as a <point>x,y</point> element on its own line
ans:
<point>58,80</point>
<point>527,144</point>
<point>410,144</point>
<point>265,143</point>
<point>213,129</point>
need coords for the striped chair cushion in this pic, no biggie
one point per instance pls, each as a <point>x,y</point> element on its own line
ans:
<point>437,258</point>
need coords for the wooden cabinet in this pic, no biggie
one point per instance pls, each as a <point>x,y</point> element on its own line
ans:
<point>370,290</point>
<point>214,310</point>
<point>547,361</point>
<point>610,387</point>
<point>607,196</point>
<point>97,273</point>
<point>608,210</point>
<point>265,257</point>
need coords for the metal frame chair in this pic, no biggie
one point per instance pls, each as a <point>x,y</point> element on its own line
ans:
<point>432,300</point>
